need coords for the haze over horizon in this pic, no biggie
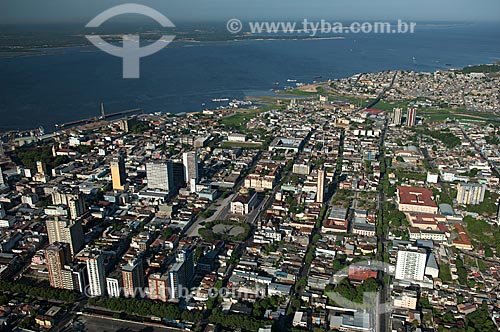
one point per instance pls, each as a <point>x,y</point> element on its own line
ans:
<point>71,11</point>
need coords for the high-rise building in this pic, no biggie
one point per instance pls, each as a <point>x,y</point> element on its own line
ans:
<point>72,198</point>
<point>320,186</point>
<point>181,273</point>
<point>74,277</point>
<point>160,175</point>
<point>2,211</point>
<point>410,265</point>
<point>123,124</point>
<point>41,168</point>
<point>133,277</point>
<point>411,117</point>
<point>470,193</point>
<point>2,181</point>
<point>2,150</point>
<point>397,115</point>
<point>158,287</point>
<point>57,255</point>
<point>114,283</point>
<point>95,271</point>
<point>118,175</point>
<point>190,162</point>
<point>498,213</point>
<point>178,174</point>
<point>67,231</point>
<point>62,273</point>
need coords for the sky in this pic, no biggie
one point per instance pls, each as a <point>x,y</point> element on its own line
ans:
<point>77,11</point>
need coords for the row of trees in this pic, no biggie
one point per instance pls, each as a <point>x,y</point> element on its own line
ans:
<point>234,321</point>
<point>147,308</point>
<point>38,291</point>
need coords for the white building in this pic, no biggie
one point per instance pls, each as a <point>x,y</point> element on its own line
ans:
<point>190,162</point>
<point>160,175</point>
<point>235,137</point>
<point>244,204</point>
<point>113,284</point>
<point>406,300</point>
<point>95,272</point>
<point>432,177</point>
<point>397,116</point>
<point>410,265</point>
<point>301,168</point>
<point>2,182</point>
<point>470,193</point>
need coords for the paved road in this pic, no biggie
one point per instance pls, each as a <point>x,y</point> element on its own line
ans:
<point>101,324</point>
<point>220,213</point>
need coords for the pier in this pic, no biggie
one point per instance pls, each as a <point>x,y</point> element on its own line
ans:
<point>95,118</point>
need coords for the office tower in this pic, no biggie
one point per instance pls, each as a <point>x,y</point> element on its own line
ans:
<point>181,273</point>
<point>63,230</point>
<point>397,116</point>
<point>72,198</point>
<point>410,265</point>
<point>2,181</point>
<point>178,175</point>
<point>498,213</point>
<point>470,193</point>
<point>2,150</point>
<point>95,272</point>
<point>118,175</point>
<point>41,168</point>
<point>320,186</point>
<point>74,277</point>
<point>160,175</point>
<point>133,277</point>
<point>123,124</point>
<point>158,287</point>
<point>57,255</point>
<point>190,162</point>
<point>2,211</point>
<point>411,117</point>
<point>114,283</point>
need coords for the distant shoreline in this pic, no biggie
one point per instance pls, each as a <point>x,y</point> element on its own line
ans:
<point>29,51</point>
<point>307,94</point>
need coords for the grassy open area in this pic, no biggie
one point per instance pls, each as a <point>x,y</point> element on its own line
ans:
<point>241,117</point>
<point>299,92</point>
<point>353,100</point>
<point>245,145</point>
<point>482,232</point>
<point>389,106</point>
<point>455,113</point>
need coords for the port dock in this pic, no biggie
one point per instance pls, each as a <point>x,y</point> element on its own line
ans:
<point>95,118</point>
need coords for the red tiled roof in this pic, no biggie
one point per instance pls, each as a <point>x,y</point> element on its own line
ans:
<point>361,274</point>
<point>463,239</point>
<point>416,196</point>
<point>373,111</point>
